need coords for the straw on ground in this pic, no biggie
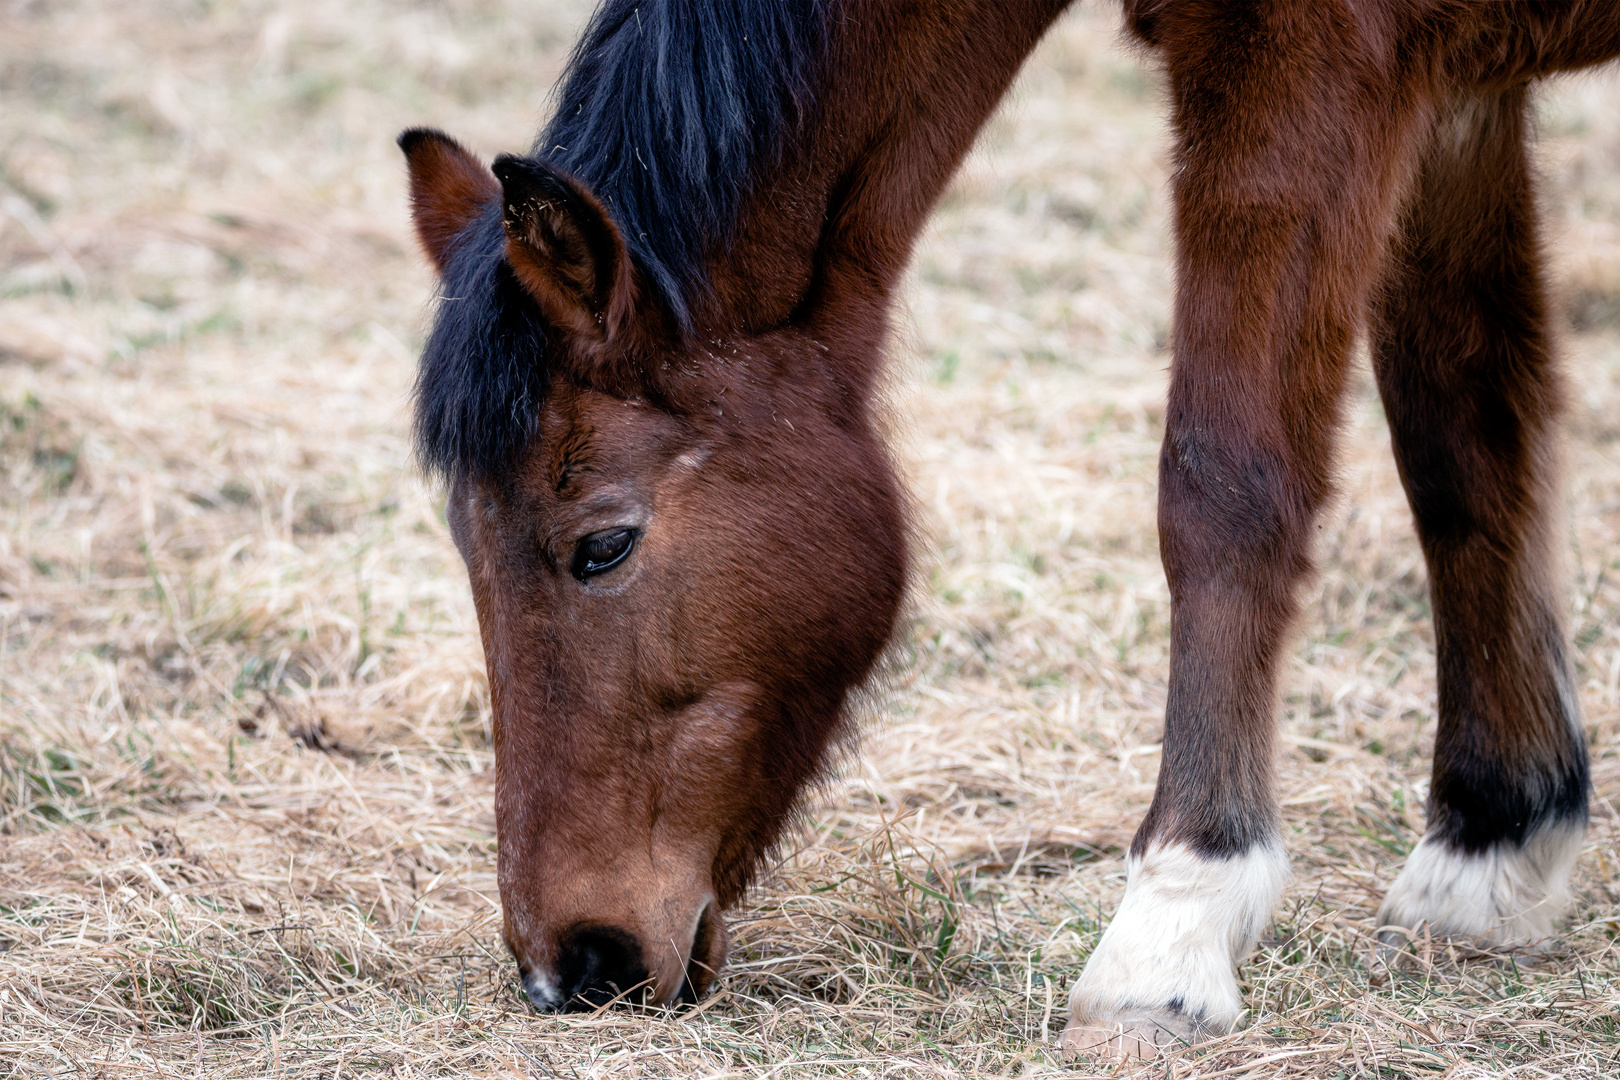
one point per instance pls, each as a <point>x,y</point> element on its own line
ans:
<point>245,788</point>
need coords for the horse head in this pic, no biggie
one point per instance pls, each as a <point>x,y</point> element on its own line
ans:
<point>687,557</point>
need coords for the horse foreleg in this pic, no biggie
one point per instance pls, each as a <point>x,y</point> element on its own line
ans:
<point>1291,151</point>
<point>1460,347</point>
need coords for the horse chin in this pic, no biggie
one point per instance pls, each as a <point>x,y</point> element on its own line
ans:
<point>710,945</point>
<point>684,963</point>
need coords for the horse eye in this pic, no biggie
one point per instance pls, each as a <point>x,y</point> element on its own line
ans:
<point>601,552</point>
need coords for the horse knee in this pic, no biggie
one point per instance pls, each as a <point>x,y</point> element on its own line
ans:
<point>1229,509</point>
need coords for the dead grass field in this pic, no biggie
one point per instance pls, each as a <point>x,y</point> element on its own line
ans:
<point>245,823</point>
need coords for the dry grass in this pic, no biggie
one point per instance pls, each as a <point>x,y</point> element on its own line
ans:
<point>244,767</point>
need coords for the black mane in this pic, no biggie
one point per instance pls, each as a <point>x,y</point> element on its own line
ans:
<point>667,110</point>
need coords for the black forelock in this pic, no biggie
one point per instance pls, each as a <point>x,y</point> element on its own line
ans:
<point>483,373</point>
<point>667,110</point>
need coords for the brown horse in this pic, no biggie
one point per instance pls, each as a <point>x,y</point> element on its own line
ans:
<point>649,389</point>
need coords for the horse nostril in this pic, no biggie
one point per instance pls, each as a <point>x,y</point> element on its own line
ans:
<point>597,964</point>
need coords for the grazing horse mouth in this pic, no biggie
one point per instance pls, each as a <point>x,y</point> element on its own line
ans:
<point>598,966</point>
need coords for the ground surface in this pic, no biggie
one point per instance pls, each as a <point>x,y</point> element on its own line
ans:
<point>245,821</point>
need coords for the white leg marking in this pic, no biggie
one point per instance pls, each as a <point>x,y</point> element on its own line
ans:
<point>1170,956</point>
<point>1509,894</point>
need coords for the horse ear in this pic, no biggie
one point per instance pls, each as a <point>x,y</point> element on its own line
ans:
<point>449,188</point>
<point>567,252</point>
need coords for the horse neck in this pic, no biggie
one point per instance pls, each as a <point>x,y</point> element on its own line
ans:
<point>824,237</point>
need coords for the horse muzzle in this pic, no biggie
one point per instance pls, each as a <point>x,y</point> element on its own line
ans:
<point>592,966</point>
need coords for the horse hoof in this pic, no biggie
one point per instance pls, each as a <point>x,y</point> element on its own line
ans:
<point>1141,1033</point>
<point>1508,897</point>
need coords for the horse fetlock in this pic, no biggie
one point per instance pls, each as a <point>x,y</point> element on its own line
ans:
<point>1507,895</point>
<point>1164,972</point>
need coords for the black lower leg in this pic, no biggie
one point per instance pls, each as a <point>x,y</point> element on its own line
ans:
<point>1461,352</point>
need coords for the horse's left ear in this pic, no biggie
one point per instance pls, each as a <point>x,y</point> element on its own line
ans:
<point>449,188</point>
<point>567,253</point>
